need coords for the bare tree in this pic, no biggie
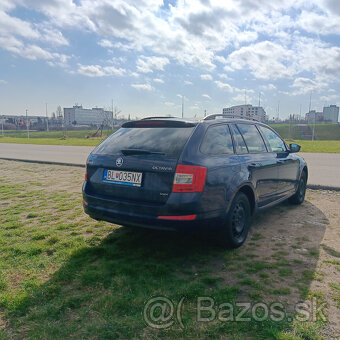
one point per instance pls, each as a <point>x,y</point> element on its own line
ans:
<point>115,113</point>
<point>59,111</point>
<point>59,114</point>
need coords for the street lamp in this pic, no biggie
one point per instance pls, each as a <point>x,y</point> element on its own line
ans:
<point>27,123</point>
<point>46,119</point>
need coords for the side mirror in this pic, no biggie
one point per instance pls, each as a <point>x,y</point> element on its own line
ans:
<point>294,147</point>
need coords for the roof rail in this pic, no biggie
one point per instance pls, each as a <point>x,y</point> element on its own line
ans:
<point>159,117</point>
<point>213,116</point>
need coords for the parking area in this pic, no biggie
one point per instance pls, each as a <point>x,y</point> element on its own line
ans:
<point>64,274</point>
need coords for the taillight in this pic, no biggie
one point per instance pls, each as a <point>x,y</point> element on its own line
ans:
<point>86,172</point>
<point>189,178</point>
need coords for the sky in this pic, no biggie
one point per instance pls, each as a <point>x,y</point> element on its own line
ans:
<point>145,55</point>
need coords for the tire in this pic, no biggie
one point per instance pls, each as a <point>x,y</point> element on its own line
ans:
<point>299,196</point>
<point>237,224</point>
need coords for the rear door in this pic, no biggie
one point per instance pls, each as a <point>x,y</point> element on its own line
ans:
<point>261,164</point>
<point>288,166</point>
<point>143,155</point>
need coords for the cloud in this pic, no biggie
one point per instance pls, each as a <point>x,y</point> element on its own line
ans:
<point>265,60</point>
<point>223,86</point>
<point>53,37</point>
<point>294,41</point>
<point>221,59</point>
<point>306,85</point>
<point>146,87</point>
<point>12,26</point>
<point>224,76</point>
<point>105,43</point>
<point>31,51</point>
<point>91,70</point>
<point>35,52</point>
<point>25,39</point>
<point>206,77</point>
<point>99,71</point>
<point>318,57</point>
<point>157,80</point>
<point>239,99</point>
<point>148,64</point>
<point>3,82</point>
<point>191,33</point>
<point>206,96</point>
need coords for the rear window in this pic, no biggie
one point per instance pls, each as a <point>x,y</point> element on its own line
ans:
<point>252,138</point>
<point>167,141</point>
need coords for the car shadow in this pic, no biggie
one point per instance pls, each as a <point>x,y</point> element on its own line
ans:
<point>111,280</point>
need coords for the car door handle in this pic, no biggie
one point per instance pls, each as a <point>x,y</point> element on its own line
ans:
<point>255,165</point>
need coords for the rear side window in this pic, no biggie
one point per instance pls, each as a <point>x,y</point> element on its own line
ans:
<point>275,142</point>
<point>240,146</point>
<point>252,138</point>
<point>165,140</point>
<point>217,141</point>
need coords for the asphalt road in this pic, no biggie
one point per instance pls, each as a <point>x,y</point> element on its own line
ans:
<point>76,155</point>
<point>324,168</point>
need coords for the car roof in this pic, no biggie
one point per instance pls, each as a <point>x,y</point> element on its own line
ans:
<point>209,120</point>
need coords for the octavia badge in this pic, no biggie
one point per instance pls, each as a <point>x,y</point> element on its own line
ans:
<point>119,161</point>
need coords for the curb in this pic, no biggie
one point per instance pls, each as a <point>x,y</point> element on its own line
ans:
<point>309,186</point>
<point>322,187</point>
<point>43,162</point>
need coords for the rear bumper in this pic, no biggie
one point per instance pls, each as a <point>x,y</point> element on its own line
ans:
<point>145,215</point>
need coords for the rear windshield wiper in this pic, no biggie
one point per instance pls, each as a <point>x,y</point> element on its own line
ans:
<point>140,152</point>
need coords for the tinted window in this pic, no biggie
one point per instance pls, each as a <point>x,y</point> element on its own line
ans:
<point>252,138</point>
<point>275,142</point>
<point>240,146</point>
<point>217,141</point>
<point>169,141</point>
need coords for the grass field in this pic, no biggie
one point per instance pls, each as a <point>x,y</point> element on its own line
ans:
<point>78,138</point>
<point>53,141</point>
<point>82,134</point>
<point>323,146</point>
<point>286,131</point>
<point>306,146</point>
<point>322,131</point>
<point>63,275</point>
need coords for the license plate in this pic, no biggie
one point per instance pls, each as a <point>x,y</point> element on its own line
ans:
<point>133,179</point>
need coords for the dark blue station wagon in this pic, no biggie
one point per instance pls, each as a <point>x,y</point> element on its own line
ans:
<point>174,174</point>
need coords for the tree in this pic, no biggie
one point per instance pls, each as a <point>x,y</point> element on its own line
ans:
<point>59,111</point>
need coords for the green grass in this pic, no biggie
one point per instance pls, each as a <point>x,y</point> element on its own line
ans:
<point>53,141</point>
<point>56,134</point>
<point>330,251</point>
<point>322,131</point>
<point>327,131</point>
<point>323,146</point>
<point>64,275</point>
<point>78,138</point>
<point>285,131</point>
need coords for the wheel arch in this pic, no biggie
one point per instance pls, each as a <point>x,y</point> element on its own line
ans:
<point>249,192</point>
<point>305,170</point>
